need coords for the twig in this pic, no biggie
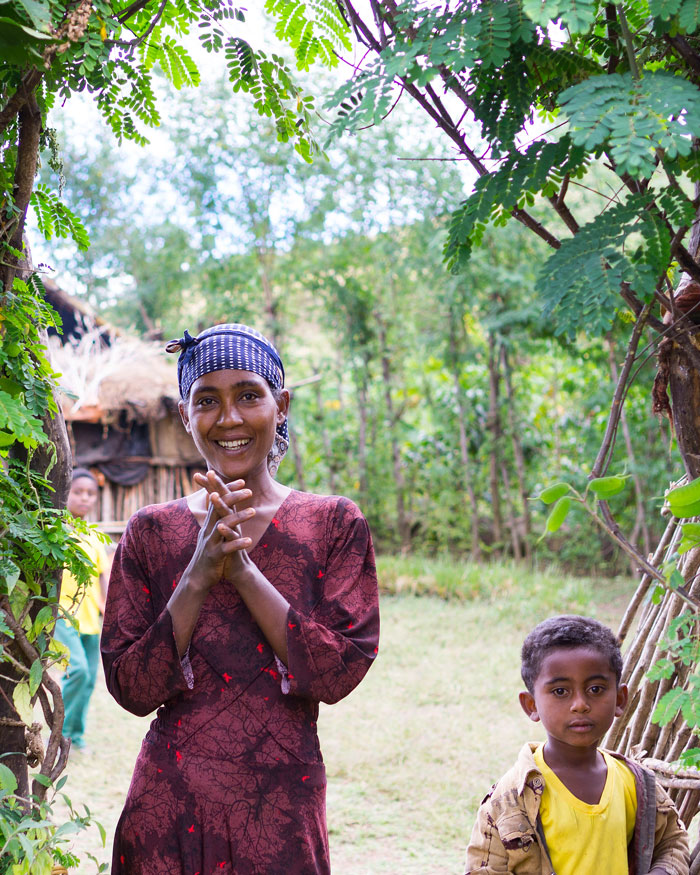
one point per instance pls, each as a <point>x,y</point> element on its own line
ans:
<point>601,462</point>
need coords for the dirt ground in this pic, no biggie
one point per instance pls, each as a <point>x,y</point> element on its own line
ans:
<point>409,754</point>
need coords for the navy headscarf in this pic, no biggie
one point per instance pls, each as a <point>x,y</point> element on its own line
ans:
<point>231,346</point>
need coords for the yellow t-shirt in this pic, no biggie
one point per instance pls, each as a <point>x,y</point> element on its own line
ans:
<point>588,839</point>
<point>86,609</point>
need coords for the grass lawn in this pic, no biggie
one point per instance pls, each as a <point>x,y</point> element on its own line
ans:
<point>412,751</point>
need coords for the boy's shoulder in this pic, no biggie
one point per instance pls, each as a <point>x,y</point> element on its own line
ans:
<point>512,785</point>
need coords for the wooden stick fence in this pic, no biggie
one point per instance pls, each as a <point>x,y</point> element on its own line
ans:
<point>634,734</point>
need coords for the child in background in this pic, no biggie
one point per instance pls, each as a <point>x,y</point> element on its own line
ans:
<point>87,608</point>
<point>566,807</point>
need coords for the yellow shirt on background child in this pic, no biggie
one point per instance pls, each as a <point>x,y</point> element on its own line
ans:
<point>85,607</point>
<point>582,838</point>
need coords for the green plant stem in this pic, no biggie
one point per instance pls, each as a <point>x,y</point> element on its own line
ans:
<point>629,46</point>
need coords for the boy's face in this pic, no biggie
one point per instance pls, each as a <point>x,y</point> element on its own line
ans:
<point>576,697</point>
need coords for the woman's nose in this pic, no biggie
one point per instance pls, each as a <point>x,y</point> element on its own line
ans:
<point>230,415</point>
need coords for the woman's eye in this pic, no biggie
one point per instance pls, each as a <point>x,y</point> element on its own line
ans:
<point>250,396</point>
<point>204,402</point>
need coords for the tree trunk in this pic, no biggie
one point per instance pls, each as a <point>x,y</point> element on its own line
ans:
<point>296,455</point>
<point>493,425</point>
<point>514,536</point>
<point>392,418</point>
<point>518,456</point>
<point>467,473</point>
<point>362,437</point>
<point>325,438</point>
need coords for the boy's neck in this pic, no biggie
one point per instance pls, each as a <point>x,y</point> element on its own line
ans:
<point>582,770</point>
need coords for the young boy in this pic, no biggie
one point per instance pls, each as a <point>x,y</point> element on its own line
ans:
<point>567,807</point>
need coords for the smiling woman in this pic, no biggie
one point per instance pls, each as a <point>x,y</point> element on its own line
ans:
<point>235,611</point>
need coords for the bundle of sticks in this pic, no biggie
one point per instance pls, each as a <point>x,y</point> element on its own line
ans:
<point>635,734</point>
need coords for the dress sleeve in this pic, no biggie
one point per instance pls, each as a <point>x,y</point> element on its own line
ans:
<point>331,649</point>
<point>141,663</point>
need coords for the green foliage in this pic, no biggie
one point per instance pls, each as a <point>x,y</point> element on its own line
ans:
<point>31,843</point>
<point>296,23</point>
<point>580,283</point>
<point>639,120</point>
<point>682,644</point>
<point>55,219</point>
<point>684,501</point>
<point>540,169</point>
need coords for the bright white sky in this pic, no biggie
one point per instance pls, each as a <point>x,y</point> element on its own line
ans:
<point>82,119</point>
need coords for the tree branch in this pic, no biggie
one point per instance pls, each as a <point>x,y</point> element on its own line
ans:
<point>126,44</point>
<point>602,460</point>
<point>135,7</point>
<point>24,91</point>
<point>685,50</point>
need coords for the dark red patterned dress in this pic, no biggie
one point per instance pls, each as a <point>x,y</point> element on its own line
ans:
<point>230,777</point>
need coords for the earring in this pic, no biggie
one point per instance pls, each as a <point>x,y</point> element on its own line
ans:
<point>276,454</point>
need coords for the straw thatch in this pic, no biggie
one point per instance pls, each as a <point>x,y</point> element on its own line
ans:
<point>102,383</point>
<point>119,397</point>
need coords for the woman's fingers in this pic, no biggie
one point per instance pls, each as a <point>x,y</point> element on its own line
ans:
<point>226,504</point>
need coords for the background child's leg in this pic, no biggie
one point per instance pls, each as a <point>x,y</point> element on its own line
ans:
<point>74,682</point>
<point>91,648</point>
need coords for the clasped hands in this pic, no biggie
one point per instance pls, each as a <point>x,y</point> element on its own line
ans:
<point>221,546</point>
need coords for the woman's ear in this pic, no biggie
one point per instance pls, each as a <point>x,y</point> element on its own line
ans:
<point>527,703</point>
<point>182,407</point>
<point>282,406</point>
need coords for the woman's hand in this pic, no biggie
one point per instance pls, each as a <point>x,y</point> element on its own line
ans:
<point>218,542</point>
<point>221,552</point>
<point>223,521</point>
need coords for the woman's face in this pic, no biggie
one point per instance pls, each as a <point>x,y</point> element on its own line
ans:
<point>232,417</point>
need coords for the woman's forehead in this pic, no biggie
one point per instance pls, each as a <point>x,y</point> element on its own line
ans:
<point>228,378</point>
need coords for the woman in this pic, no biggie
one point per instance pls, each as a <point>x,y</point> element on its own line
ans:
<point>235,611</point>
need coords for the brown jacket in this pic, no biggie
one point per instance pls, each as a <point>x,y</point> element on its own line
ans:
<point>508,835</point>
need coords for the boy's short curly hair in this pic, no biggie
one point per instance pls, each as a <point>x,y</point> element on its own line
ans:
<point>567,631</point>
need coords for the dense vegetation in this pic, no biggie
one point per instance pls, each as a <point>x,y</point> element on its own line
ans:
<point>443,402</point>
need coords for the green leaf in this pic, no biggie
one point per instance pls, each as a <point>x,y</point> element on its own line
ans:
<point>662,669</point>
<point>558,514</point>
<point>554,493</point>
<point>684,501</point>
<point>580,282</point>
<point>689,16</point>
<point>36,675</point>
<point>8,781</point>
<point>676,579</point>
<point>690,539</point>
<point>22,700</point>
<point>9,575</point>
<point>54,217</point>
<point>39,13</point>
<point>669,705</point>
<point>664,9</point>
<point>606,487</point>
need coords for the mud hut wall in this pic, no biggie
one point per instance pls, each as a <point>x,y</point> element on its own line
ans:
<point>163,483</point>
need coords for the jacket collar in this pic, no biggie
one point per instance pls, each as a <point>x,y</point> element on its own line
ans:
<point>525,765</point>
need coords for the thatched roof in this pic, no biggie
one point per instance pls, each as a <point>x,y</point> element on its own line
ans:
<point>100,382</point>
<point>77,316</point>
